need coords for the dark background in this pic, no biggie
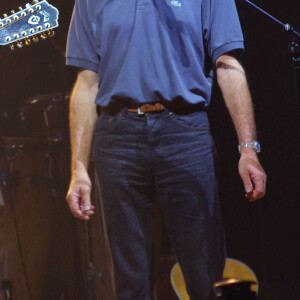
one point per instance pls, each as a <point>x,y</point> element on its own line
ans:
<point>265,235</point>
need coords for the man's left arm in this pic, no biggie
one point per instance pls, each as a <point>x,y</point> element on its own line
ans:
<point>233,84</point>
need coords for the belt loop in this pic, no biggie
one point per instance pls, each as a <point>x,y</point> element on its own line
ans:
<point>124,113</point>
<point>98,109</point>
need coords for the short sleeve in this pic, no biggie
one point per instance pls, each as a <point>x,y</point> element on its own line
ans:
<point>222,28</point>
<point>81,48</point>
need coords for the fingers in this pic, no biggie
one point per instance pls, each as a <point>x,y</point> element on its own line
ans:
<point>259,191</point>
<point>258,178</point>
<point>85,204</point>
<point>87,210</point>
<point>247,182</point>
<point>79,201</point>
<point>254,178</point>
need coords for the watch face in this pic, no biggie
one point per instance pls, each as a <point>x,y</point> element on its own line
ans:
<point>257,146</point>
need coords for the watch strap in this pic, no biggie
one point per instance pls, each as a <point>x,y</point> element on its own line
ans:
<point>253,144</point>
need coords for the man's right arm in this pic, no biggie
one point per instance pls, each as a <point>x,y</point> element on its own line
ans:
<point>83,116</point>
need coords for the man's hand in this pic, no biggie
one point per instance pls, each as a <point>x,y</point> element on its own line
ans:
<point>79,198</point>
<point>253,176</point>
<point>79,194</point>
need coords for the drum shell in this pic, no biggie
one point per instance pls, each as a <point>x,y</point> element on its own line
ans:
<point>45,117</point>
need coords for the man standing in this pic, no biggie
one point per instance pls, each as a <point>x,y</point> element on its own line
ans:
<point>148,66</point>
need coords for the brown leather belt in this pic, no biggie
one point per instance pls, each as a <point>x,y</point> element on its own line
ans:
<point>147,108</point>
<point>181,108</point>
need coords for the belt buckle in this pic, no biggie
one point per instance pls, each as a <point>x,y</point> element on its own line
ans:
<point>139,111</point>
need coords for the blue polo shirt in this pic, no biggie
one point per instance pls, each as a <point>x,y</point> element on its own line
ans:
<point>152,50</point>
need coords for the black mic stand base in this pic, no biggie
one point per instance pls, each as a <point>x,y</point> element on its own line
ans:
<point>234,289</point>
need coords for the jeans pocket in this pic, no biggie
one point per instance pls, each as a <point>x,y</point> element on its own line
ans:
<point>193,122</point>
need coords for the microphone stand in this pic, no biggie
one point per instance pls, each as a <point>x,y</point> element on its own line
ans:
<point>294,47</point>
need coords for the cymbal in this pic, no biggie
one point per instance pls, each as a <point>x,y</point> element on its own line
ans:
<point>44,98</point>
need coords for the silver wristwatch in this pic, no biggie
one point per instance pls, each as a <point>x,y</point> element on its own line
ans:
<point>254,144</point>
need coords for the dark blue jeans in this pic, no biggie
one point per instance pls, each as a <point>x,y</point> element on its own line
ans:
<point>164,157</point>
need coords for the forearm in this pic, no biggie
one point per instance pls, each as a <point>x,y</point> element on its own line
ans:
<point>82,120</point>
<point>233,84</point>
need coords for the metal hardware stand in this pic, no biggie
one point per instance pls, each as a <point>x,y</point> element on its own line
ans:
<point>294,47</point>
